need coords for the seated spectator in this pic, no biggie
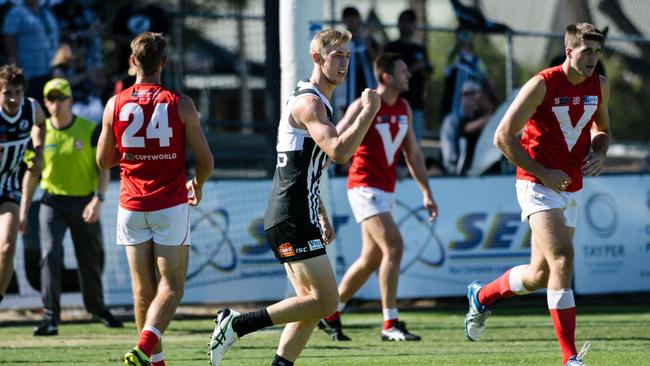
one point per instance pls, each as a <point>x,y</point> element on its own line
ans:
<point>462,64</point>
<point>79,25</point>
<point>68,63</point>
<point>363,50</point>
<point>31,38</point>
<point>417,60</point>
<point>5,5</point>
<point>460,131</point>
<point>133,18</point>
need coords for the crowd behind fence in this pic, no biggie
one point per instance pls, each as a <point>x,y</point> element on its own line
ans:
<point>220,58</point>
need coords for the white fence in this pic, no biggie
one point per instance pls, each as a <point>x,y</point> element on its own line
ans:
<point>477,236</point>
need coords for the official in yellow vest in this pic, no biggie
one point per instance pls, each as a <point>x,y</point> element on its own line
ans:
<point>73,192</point>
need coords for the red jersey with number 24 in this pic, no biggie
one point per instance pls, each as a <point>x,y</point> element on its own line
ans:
<point>151,139</point>
<point>557,135</point>
<point>374,163</point>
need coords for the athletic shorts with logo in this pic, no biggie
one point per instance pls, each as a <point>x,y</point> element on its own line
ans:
<point>294,240</point>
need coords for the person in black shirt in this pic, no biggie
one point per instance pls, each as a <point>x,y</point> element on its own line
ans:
<point>415,56</point>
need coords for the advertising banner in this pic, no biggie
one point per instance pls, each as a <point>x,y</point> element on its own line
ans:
<point>478,236</point>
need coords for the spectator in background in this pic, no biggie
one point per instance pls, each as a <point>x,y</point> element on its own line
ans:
<point>69,64</point>
<point>80,27</point>
<point>415,56</point>
<point>5,6</point>
<point>31,37</point>
<point>134,18</point>
<point>73,193</point>
<point>460,132</point>
<point>363,50</point>
<point>462,64</point>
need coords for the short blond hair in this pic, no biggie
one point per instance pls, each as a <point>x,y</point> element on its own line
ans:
<point>576,34</point>
<point>328,38</point>
<point>148,48</point>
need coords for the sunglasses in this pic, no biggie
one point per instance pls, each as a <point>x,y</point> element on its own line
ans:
<point>57,98</point>
<point>469,93</point>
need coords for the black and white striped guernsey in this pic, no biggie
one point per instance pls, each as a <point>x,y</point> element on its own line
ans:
<point>300,162</point>
<point>14,139</point>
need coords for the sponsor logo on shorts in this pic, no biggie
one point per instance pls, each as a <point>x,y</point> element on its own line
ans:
<point>315,244</point>
<point>302,250</point>
<point>286,250</point>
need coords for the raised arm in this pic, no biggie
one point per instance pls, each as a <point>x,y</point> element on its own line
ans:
<point>600,135</point>
<point>350,116</point>
<point>195,138</point>
<point>415,162</point>
<point>311,113</point>
<point>522,108</point>
<point>107,154</point>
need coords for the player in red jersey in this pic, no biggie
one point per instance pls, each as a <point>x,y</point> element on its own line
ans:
<point>565,121</point>
<point>145,130</point>
<point>371,187</point>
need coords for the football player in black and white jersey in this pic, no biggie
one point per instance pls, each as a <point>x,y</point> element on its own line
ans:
<point>21,125</point>
<point>296,224</point>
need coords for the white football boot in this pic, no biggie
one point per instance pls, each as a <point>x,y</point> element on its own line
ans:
<point>223,336</point>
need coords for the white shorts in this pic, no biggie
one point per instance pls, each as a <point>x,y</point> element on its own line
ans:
<point>169,226</point>
<point>534,197</point>
<point>368,201</point>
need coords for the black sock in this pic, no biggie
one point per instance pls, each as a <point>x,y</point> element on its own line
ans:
<point>1,297</point>
<point>250,322</point>
<point>279,361</point>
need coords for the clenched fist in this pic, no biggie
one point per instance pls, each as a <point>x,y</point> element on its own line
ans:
<point>370,100</point>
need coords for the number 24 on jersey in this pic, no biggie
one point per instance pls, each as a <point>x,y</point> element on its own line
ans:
<point>157,128</point>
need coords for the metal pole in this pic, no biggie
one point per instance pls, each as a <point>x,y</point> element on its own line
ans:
<point>272,99</point>
<point>509,65</point>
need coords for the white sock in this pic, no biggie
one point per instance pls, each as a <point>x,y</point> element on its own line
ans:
<point>516,283</point>
<point>157,357</point>
<point>390,314</point>
<point>152,330</point>
<point>340,307</point>
<point>560,299</point>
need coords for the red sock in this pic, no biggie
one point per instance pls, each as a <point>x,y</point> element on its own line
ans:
<point>160,363</point>
<point>495,290</point>
<point>563,312</point>
<point>334,317</point>
<point>390,323</point>
<point>147,342</point>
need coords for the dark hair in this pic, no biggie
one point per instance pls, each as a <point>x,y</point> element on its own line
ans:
<point>12,75</point>
<point>148,48</point>
<point>385,63</point>
<point>407,15</point>
<point>576,34</point>
<point>349,12</point>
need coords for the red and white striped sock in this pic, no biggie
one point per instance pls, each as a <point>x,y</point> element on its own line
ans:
<point>507,285</point>
<point>562,307</point>
<point>391,317</point>
<point>149,337</point>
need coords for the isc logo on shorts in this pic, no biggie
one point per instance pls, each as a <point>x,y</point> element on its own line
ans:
<point>315,244</point>
<point>286,250</point>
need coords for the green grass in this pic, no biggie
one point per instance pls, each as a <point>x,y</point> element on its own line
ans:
<point>515,336</point>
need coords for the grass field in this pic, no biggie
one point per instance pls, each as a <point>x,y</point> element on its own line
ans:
<point>515,336</point>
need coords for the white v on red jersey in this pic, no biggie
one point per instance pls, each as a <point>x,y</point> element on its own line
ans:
<point>374,163</point>
<point>151,139</point>
<point>557,135</point>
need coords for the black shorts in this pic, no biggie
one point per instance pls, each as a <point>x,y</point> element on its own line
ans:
<point>13,196</point>
<point>294,240</point>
